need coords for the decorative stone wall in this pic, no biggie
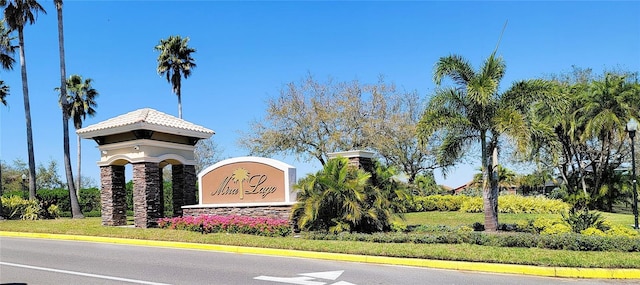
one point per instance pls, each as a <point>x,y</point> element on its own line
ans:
<point>112,196</point>
<point>147,195</point>
<point>274,212</point>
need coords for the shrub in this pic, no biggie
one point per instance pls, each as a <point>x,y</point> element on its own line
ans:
<point>516,204</point>
<point>53,212</point>
<point>59,197</point>
<point>437,203</point>
<point>228,224</point>
<point>617,230</point>
<point>472,205</point>
<point>560,241</point>
<point>558,228</point>
<point>89,199</point>
<point>592,232</point>
<point>15,207</point>
<point>580,220</point>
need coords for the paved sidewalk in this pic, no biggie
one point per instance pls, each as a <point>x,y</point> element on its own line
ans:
<point>565,272</point>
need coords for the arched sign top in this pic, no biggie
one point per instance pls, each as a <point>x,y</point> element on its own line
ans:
<point>247,181</point>
<point>268,161</point>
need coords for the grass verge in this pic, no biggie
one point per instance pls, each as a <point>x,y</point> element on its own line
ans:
<point>458,252</point>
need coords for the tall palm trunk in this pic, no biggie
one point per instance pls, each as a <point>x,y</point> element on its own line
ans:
<point>1,185</point>
<point>179,103</point>
<point>27,115</point>
<point>79,181</point>
<point>76,211</point>
<point>489,186</point>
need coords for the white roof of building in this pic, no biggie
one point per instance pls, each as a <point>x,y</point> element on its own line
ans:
<point>145,119</point>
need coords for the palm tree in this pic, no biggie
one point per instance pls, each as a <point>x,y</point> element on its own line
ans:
<point>332,199</point>
<point>174,62</point>
<point>475,111</point>
<point>76,211</point>
<point>342,197</point>
<point>81,99</point>
<point>18,13</point>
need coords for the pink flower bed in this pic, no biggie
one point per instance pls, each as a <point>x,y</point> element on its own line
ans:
<point>228,224</point>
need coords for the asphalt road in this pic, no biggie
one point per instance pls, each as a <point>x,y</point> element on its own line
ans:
<point>40,261</point>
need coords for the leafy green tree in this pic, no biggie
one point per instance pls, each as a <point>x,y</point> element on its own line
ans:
<point>175,61</point>
<point>47,176</point>
<point>311,119</point>
<point>18,13</point>
<point>475,111</point>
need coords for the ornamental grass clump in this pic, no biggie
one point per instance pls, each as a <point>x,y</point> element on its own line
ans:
<point>205,224</point>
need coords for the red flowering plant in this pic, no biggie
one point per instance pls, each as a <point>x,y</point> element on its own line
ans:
<point>205,224</point>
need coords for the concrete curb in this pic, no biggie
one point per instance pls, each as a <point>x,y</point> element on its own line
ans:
<point>563,272</point>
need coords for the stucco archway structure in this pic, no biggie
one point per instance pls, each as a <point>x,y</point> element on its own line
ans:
<point>149,140</point>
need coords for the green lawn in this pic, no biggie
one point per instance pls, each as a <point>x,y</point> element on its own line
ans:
<point>461,252</point>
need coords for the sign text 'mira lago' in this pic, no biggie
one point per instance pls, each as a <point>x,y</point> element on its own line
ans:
<point>256,185</point>
<point>247,180</point>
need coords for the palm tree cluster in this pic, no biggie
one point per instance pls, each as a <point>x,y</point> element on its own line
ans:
<point>77,104</point>
<point>342,197</point>
<point>77,96</point>
<point>575,127</point>
<point>585,138</point>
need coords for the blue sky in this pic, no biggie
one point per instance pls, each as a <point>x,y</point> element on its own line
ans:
<point>247,51</point>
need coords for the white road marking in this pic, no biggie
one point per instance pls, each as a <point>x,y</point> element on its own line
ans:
<point>82,274</point>
<point>291,280</point>
<point>308,280</point>
<point>343,283</point>
<point>329,275</point>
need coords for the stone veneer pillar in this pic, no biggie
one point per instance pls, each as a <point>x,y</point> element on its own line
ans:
<point>161,175</point>
<point>190,179</point>
<point>112,195</point>
<point>184,187</point>
<point>146,194</point>
<point>177,189</point>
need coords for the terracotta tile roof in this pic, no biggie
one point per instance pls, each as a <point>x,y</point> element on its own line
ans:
<point>145,119</point>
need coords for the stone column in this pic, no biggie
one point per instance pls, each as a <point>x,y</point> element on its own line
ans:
<point>184,187</point>
<point>146,194</point>
<point>113,195</point>
<point>160,174</point>
<point>190,185</point>
<point>177,187</point>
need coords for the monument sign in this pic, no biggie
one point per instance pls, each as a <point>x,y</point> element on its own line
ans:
<point>247,181</point>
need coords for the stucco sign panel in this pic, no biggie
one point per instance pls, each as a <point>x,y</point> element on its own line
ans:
<point>246,180</point>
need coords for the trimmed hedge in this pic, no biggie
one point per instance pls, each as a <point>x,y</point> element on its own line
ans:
<point>512,204</point>
<point>568,241</point>
<point>516,204</point>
